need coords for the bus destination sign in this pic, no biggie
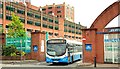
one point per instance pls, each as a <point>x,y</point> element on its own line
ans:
<point>56,41</point>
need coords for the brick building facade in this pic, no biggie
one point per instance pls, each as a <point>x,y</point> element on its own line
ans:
<point>60,10</point>
<point>34,20</point>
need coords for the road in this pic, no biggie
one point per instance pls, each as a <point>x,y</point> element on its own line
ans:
<point>39,64</point>
<point>44,65</point>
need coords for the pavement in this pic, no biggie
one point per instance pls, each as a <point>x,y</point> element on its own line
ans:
<point>98,65</point>
<point>34,63</point>
<point>19,62</point>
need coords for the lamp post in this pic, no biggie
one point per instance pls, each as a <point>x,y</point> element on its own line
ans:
<point>21,50</point>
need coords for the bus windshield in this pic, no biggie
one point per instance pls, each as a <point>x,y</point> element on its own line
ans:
<point>56,49</point>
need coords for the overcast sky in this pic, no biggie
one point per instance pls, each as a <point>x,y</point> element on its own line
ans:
<point>86,11</point>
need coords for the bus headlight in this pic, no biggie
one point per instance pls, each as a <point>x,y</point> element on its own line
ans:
<point>48,60</point>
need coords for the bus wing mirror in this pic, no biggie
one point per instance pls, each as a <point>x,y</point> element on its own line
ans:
<point>67,45</point>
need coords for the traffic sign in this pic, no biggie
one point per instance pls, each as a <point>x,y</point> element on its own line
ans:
<point>88,47</point>
<point>35,48</point>
<point>84,39</point>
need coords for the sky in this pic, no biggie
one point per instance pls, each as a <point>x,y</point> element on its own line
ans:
<point>86,11</point>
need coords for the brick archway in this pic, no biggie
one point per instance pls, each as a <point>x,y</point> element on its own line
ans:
<point>106,16</point>
<point>96,40</point>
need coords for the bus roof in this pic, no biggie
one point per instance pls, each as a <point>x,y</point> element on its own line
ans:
<point>73,42</point>
<point>69,41</point>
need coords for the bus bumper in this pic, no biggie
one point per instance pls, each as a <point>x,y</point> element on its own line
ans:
<point>60,60</point>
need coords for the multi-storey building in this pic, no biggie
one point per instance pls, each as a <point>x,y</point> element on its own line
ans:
<point>60,10</point>
<point>35,20</point>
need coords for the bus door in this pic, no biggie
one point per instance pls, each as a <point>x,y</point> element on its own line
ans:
<point>70,50</point>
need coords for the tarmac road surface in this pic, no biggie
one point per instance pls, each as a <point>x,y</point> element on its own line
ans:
<point>44,65</point>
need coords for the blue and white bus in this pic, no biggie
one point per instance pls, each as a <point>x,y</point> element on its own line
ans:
<point>63,51</point>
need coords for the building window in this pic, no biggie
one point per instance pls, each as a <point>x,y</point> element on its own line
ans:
<point>50,26</point>
<point>50,12</point>
<point>20,11</point>
<point>1,5</point>
<point>80,33</point>
<point>77,33</point>
<point>22,20</point>
<point>49,7</point>
<point>58,6</point>
<point>73,37</point>
<point>69,36</point>
<point>73,31</point>
<point>44,18</point>
<point>79,28</point>
<point>56,27</point>
<point>73,26</point>
<point>37,24</point>
<point>43,9</point>
<point>50,20</point>
<point>1,15</point>
<point>37,31</point>
<point>16,3</point>
<point>56,34</point>
<point>58,11</point>
<point>76,37</point>
<point>50,33</point>
<point>60,16</point>
<point>8,17</point>
<point>76,27</point>
<point>37,16</point>
<point>56,22</point>
<point>69,31</point>
<point>65,30</point>
<point>65,24</point>
<point>65,36</point>
<point>29,30</point>
<point>79,37</point>
<point>29,22</point>
<point>29,14</point>
<point>69,25</point>
<point>7,26</point>
<point>10,8</point>
<point>45,25</point>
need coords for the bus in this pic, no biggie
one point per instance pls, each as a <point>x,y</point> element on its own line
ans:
<point>63,51</point>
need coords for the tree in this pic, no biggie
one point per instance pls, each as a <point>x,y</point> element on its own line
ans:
<point>7,50</point>
<point>15,28</point>
<point>11,51</point>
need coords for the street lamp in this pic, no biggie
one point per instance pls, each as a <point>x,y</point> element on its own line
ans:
<point>21,50</point>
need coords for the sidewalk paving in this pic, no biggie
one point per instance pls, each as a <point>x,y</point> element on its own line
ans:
<point>19,61</point>
<point>98,65</point>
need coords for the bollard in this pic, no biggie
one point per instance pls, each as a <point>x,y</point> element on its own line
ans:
<point>94,61</point>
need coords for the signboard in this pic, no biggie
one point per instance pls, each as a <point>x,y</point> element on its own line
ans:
<point>112,40</point>
<point>35,48</point>
<point>57,41</point>
<point>88,47</point>
<point>26,43</point>
<point>42,46</point>
<point>114,30</point>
